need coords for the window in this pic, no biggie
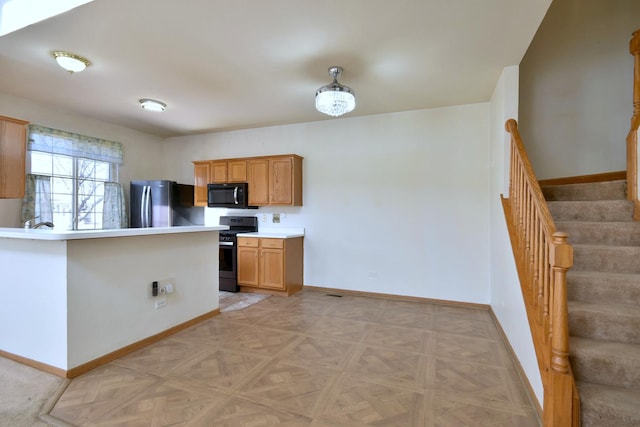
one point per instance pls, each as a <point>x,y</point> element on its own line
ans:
<point>73,179</point>
<point>76,186</point>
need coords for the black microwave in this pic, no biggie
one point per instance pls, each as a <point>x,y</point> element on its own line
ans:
<point>231,195</point>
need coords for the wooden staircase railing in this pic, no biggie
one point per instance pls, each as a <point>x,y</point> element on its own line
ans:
<point>632,137</point>
<point>542,257</point>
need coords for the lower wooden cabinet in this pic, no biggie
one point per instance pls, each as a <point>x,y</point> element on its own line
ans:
<point>273,265</point>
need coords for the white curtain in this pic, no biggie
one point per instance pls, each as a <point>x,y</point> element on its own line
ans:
<point>36,205</point>
<point>114,213</point>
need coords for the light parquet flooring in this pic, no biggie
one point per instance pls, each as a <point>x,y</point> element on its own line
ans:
<point>312,360</point>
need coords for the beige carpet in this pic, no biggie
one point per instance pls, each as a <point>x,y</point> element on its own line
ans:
<point>23,393</point>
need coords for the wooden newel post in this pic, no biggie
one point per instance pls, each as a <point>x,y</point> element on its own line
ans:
<point>558,405</point>
<point>562,260</point>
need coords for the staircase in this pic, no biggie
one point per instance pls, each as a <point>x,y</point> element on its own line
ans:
<point>603,290</point>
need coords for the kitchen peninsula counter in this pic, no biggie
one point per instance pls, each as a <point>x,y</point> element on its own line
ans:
<point>48,234</point>
<point>72,300</point>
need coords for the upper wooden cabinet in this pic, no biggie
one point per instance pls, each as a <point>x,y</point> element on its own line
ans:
<point>275,181</point>
<point>272,180</point>
<point>13,146</point>
<point>237,170</point>
<point>216,171</point>
<point>201,172</point>
<point>258,179</point>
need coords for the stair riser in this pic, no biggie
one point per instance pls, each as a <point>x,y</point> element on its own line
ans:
<point>606,327</point>
<point>596,416</point>
<point>595,191</point>
<point>611,259</point>
<point>615,234</point>
<point>608,407</point>
<point>604,290</point>
<point>591,211</point>
<point>601,370</point>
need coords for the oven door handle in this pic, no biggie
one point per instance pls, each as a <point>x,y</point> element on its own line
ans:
<point>225,243</point>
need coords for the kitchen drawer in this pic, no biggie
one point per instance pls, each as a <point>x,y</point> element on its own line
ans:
<point>248,242</point>
<point>272,243</point>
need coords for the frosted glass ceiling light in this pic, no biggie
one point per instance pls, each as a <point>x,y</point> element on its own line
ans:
<point>152,105</point>
<point>71,62</point>
<point>335,99</point>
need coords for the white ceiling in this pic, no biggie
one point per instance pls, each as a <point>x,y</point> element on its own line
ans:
<point>232,64</point>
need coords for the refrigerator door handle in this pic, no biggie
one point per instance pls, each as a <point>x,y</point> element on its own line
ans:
<point>235,195</point>
<point>148,210</point>
<point>142,199</point>
<point>145,205</point>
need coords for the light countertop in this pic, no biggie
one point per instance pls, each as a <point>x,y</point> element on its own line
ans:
<point>48,234</point>
<point>276,233</point>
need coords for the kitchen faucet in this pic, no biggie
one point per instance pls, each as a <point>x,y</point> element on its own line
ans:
<point>27,224</point>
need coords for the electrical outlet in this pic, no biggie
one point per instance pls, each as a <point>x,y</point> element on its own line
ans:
<point>166,286</point>
<point>373,274</point>
<point>264,217</point>
<point>276,218</point>
<point>161,302</point>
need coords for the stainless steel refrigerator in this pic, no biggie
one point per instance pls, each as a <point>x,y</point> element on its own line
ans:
<point>162,203</point>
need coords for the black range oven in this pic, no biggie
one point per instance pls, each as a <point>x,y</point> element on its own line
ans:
<point>228,252</point>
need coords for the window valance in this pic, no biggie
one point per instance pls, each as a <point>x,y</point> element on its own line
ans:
<point>72,144</point>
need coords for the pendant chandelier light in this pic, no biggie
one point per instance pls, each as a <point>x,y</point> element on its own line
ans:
<point>335,99</point>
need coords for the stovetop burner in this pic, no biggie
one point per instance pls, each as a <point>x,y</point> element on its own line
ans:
<point>237,225</point>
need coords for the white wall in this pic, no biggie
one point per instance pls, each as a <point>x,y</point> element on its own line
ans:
<point>67,303</point>
<point>109,288</point>
<point>506,297</point>
<point>33,306</point>
<point>576,85</point>
<point>404,196</point>
<point>142,152</point>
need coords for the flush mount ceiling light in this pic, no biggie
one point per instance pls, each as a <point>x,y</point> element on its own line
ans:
<point>152,105</point>
<point>335,99</point>
<point>71,62</point>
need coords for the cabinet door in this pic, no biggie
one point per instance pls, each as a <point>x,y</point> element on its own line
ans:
<point>248,266</point>
<point>272,268</point>
<point>258,179</point>
<point>201,175</point>
<point>218,172</point>
<point>281,181</point>
<point>237,171</point>
<point>13,141</point>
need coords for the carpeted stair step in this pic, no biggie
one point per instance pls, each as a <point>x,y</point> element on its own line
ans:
<point>623,233</point>
<point>608,363</point>
<point>607,406</point>
<point>603,288</point>
<point>598,210</point>
<point>612,259</point>
<point>607,322</point>
<point>609,190</point>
